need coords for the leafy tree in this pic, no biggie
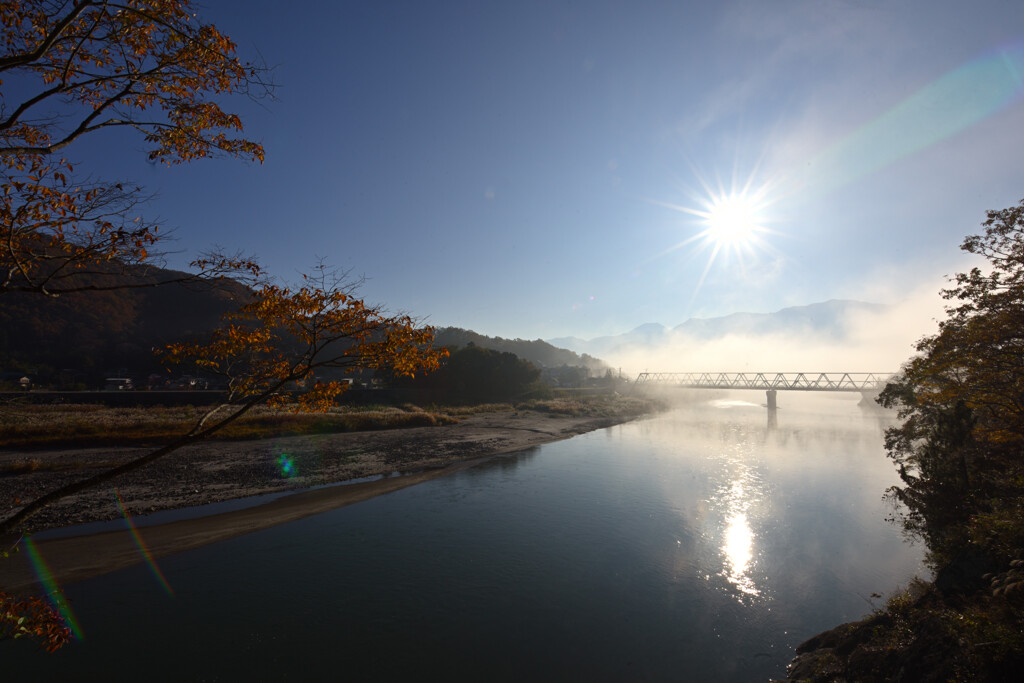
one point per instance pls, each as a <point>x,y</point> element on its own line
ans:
<point>70,69</point>
<point>961,401</point>
<point>280,341</point>
<point>74,68</point>
<point>569,376</point>
<point>477,375</point>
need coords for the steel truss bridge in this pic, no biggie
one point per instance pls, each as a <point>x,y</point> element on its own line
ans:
<point>768,381</point>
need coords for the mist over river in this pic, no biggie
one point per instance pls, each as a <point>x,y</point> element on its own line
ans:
<point>700,544</point>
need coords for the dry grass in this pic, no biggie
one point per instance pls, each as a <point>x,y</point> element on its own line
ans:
<point>593,406</point>
<point>463,411</point>
<point>34,427</point>
<point>85,426</point>
<point>30,465</point>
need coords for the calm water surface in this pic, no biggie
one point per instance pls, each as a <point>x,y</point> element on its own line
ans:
<point>697,545</point>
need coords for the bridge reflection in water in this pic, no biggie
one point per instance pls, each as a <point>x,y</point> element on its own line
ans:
<point>866,383</point>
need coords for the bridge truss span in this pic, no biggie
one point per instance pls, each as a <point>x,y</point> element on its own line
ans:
<point>768,381</point>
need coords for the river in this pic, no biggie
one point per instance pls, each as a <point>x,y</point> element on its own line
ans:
<point>702,544</point>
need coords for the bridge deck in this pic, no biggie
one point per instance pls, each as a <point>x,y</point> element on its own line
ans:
<point>793,381</point>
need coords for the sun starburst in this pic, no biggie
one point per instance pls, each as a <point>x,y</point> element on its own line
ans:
<point>733,224</point>
<point>733,220</point>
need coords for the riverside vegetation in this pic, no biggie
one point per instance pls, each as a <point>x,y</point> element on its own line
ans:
<point>959,448</point>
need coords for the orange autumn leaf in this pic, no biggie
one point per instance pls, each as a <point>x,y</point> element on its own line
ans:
<point>145,65</point>
<point>286,337</point>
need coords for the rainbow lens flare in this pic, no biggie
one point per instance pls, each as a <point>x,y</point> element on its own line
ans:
<point>140,544</point>
<point>952,103</point>
<point>53,592</point>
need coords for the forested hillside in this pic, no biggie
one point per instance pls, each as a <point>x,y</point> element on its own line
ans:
<point>96,332</point>
<point>79,337</point>
<point>539,352</point>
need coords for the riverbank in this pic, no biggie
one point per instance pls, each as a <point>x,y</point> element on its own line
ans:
<point>965,625</point>
<point>214,472</point>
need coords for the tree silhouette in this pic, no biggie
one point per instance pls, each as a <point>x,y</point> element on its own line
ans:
<point>961,401</point>
<point>474,374</point>
<point>70,69</point>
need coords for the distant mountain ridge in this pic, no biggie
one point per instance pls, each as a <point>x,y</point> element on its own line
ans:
<point>539,352</point>
<point>97,332</point>
<point>88,335</point>
<point>827,318</point>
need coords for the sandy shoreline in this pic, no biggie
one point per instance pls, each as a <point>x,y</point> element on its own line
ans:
<point>220,471</point>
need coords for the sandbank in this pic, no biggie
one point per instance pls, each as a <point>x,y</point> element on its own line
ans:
<point>220,471</point>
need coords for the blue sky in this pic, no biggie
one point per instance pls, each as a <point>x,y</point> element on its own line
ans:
<point>518,168</point>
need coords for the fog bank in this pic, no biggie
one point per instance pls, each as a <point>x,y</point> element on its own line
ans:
<point>862,342</point>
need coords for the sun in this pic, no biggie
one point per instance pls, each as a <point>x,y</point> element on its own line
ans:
<point>732,225</point>
<point>733,220</point>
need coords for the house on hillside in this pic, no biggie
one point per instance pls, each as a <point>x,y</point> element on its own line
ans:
<point>16,379</point>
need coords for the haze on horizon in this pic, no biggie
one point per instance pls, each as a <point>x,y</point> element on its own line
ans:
<point>867,340</point>
<point>542,170</point>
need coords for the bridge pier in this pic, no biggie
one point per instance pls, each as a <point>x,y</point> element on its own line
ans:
<point>773,415</point>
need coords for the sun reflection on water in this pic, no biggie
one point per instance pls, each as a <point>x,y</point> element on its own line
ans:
<point>739,541</point>
<point>738,538</point>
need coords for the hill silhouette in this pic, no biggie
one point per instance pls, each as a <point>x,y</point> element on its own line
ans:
<point>88,334</point>
<point>79,338</point>
<point>539,352</point>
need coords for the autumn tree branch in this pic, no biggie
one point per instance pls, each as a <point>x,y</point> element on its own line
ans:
<point>282,338</point>
<point>149,65</point>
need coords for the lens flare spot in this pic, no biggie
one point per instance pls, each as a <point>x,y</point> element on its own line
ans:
<point>287,465</point>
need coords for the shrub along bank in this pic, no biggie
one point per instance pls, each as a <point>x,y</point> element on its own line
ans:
<point>960,453</point>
